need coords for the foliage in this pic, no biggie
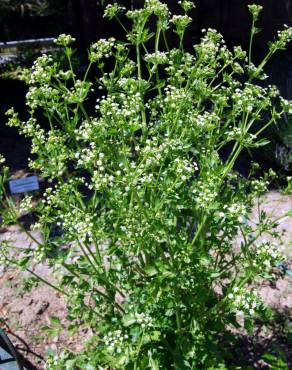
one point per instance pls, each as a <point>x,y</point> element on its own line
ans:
<point>147,212</point>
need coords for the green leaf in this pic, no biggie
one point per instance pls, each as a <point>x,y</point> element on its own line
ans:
<point>51,332</point>
<point>151,270</point>
<point>275,362</point>
<point>248,325</point>
<point>128,320</point>
<point>22,262</point>
<point>72,329</point>
<point>261,142</point>
<point>70,364</point>
<point>89,367</point>
<point>55,320</point>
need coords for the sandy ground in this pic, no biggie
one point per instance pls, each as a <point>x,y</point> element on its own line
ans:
<point>25,313</point>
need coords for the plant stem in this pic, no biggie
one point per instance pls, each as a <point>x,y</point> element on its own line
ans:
<point>157,38</point>
<point>140,79</point>
<point>251,41</point>
<point>47,282</point>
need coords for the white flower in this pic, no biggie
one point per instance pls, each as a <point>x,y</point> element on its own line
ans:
<point>64,40</point>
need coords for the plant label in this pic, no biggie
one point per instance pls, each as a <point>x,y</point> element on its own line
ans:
<point>24,185</point>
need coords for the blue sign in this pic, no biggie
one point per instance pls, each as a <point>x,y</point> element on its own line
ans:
<point>24,185</point>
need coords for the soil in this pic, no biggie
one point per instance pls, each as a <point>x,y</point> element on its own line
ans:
<point>25,313</point>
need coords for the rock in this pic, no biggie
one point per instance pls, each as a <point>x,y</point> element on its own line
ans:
<point>43,307</point>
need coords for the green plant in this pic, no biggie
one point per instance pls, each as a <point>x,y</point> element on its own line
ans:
<point>276,362</point>
<point>148,212</point>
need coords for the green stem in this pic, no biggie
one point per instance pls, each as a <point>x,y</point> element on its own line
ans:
<point>251,42</point>
<point>140,79</point>
<point>71,67</point>
<point>87,71</point>
<point>272,120</point>
<point>46,282</point>
<point>165,40</point>
<point>157,38</point>
<point>200,228</point>
<point>261,65</point>
<point>138,350</point>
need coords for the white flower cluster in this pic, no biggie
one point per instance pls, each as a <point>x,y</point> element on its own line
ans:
<point>72,220</point>
<point>86,130</point>
<point>134,229</point>
<point>234,133</point>
<point>235,211</point>
<point>144,320</point>
<point>186,5</point>
<point>64,40</point>
<point>239,53</point>
<point>25,205</point>
<point>259,187</point>
<point>2,159</point>
<point>284,37</point>
<point>185,168</point>
<point>114,341</point>
<point>160,10</point>
<point>101,180</point>
<point>158,57</point>
<point>39,253</point>
<point>181,22</point>
<point>205,192</point>
<point>268,254</point>
<point>286,105</point>
<point>255,10</point>
<point>86,156</point>
<point>30,129</point>
<point>56,361</point>
<point>177,72</point>
<point>155,6</point>
<point>112,10</point>
<point>122,111</point>
<point>41,70</point>
<point>54,147</point>
<point>210,45</point>
<point>77,223</point>
<point>175,96</point>
<point>101,49</point>
<point>244,302</point>
<point>250,97</point>
<point>13,119</point>
<point>78,93</point>
<point>44,95</point>
<point>207,120</point>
